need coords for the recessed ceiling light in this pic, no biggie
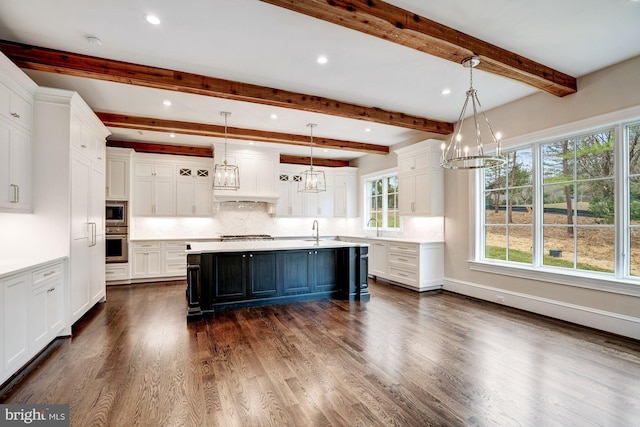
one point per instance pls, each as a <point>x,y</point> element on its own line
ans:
<point>367,130</point>
<point>152,19</point>
<point>322,59</point>
<point>446,91</point>
<point>273,116</point>
<point>93,40</point>
<point>172,135</point>
<point>166,103</point>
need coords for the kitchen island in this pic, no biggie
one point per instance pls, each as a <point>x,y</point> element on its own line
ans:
<point>223,275</point>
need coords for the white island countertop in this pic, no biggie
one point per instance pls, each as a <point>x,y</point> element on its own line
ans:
<point>267,245</point>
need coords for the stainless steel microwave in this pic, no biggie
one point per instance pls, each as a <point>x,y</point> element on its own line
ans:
<point>116,213</point>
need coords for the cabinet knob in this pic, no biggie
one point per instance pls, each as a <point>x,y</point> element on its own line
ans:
<point>244,256</point>
<point>251,256</point>
<point>16,115</point>
<point>309,252</point>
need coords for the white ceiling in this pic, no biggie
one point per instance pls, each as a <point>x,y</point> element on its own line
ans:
<point>254,42</point>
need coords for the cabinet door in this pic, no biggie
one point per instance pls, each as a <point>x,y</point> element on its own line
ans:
<point>154,263</point>
<point>16,318</point>
<point>80,198</point>
<point>96,209</point>
<point>117,187</point>
<point>164,197</point>
<point>203,194</point>
<point>38,327</point>
<point>262,274</point>
<point>296,271</point>
<point>185,197</point>
<point>406,194</point>
<point>55,306</point>
<point>143,196</point>
<point>378,259</point>
<point>265,180</point>
<point>230,277</point>
<point>422,191</point>
<point>97,285</point>
<point>80,267</point>
<point>325,270</point>
<point>15,168</point>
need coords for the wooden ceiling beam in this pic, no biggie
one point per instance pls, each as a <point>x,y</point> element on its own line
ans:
<point>55,61</point>
<point>217,131</point>
<point>147,147</point>
<point>406,28</point>
<point>301,160</point>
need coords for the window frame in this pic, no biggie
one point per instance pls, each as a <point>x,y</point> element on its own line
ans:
<point>366,200</point>
<point>618,282</point>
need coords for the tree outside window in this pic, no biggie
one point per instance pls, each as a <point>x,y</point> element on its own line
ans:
<point>382,202</point>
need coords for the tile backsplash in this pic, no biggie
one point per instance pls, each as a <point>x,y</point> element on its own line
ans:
<point>254,218</point>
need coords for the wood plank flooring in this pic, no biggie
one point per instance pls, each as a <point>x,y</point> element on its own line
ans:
<point>402,359</point>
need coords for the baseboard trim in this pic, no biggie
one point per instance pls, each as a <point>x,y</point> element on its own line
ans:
<point>586,316</point>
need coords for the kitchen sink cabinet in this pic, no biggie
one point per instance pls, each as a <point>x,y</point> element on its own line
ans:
<point>16,126</point>
<point>69,158</point>
<point>420,179</point>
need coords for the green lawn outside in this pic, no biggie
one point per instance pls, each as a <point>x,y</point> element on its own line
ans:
<point>495,252</point>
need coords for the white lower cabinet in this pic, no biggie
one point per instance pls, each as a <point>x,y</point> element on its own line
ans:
<point>32,316</point>
<point>15,313</point>
<point>146,260</point>
<point>155,259</point>
<point>117,271</point>
<point>378,258</point>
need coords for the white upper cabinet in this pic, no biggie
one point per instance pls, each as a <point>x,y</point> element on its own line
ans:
<point>168,185</point>
<point>16,124</point>
<point>345,192</point>
<point>308,205</point>
<point>117,173</point>
<point>420,179</point>
<point>258,171</point>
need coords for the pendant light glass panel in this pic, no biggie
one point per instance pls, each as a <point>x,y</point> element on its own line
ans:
<point>226,176</point>
<point>313,181</point>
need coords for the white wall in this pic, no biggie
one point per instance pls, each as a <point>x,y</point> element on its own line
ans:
<point>605,91</point>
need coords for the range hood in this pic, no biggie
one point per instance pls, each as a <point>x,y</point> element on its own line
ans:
<point>232,196</point>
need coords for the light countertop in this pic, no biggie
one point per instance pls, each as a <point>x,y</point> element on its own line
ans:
<point>266,245</point>
<point>18,265</point>
<point>398,239</point>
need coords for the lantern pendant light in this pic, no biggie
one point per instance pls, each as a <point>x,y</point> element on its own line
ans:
<point>313,181</point>
<point>226,176</point>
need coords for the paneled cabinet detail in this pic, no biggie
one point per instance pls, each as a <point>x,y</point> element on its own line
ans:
<point>146,260</point>
<point>154,189</point>
<point>153,259</point>
<point>69,175</point>
<point>32,316</point>
<point>338,201</point>
<point>420,179</point>
<point>194,191</point>
<point>16,125</point>
<point>117,173</point>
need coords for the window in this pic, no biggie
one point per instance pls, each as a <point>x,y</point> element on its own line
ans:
<point>569,204</point>
<point>382,201</point>
<point>509,209</point>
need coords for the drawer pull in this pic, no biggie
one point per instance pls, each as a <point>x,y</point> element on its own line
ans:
<point>402,274</point>
<point>49,273</point>
<point>83,146</point>
<point>51,289</point>
<point>403,259</point>
<point>16,115</point>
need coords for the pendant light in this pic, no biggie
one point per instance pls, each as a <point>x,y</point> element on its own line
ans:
<point>225,176</point>
<point>312,181</point>
<point>458,154</point>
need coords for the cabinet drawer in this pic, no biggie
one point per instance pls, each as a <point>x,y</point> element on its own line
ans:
<point>403,248</point>
<point>405,261</point>
<point>145,245</point>
<point>175,245</point>
<point>176,255</point>
<point>176,268</point>
<point>117,271</point>
<point>47,273</point>
<point>404,276</point>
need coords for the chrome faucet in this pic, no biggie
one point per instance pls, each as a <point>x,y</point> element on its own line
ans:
<point>377,228</point>
<point>316,227</point>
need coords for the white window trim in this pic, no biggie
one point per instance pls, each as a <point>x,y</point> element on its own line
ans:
<point>365,198</point>
<point>576,278</point>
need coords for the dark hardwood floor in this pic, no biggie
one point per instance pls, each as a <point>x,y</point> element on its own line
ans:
<point>402,359</point>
